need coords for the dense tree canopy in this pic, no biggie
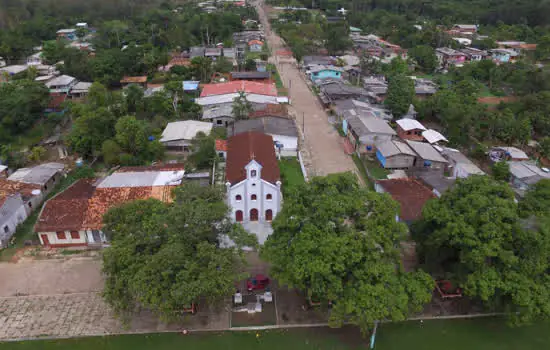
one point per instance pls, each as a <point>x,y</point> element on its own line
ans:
<point>166,256</point>
<point>537,200</point>
<point>340,243</point>
<point>473,236</point>
<point>21,104</point>
<point>400,95</point>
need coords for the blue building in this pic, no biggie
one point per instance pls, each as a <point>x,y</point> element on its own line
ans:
<point>325,72</point>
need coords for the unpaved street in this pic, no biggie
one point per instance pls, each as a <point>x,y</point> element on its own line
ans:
<point>322,141</point>
<point>56,276</point>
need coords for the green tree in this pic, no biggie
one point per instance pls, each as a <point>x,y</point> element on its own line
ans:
<point>89,131</point>
<point>203,68</point>
<point>501,171</point>
<point>337,39</point>
<point>22,103</point>
<point>543,48</point>
<point>425,57</point>
<point>133,96</point>
<point>544,146</point>
<point>164,257</point>
<point>54,51</point>
<point>537,200</point>
<point>250,64</point>
<point>339,242</point>
<point>131,134</point>
<point>241,107</point>
<point>37,154</point>
<point>111,152</point>
<point>473,233</point>
<point>204,151</point>
<point>223,65</point>
<point>400,95</point>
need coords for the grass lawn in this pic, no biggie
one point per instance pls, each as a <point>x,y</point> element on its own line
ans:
<point>278,81</point>
<point>474,334</point>
<point>361,167</point>
<point>375,169</point>
<point>291,173</point>
<point>267,340</point>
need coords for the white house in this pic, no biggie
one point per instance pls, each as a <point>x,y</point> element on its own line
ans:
<point>253,179</point>
<point>61,84</point>
<point>12,213</point>
<point>459,165</point>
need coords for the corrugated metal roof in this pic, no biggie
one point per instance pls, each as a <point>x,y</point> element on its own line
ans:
<point>62,80</point>
<point>143,179</point>
<point>426,151</point>
<point>394,147</point>
<point>185,130</point>
<point>433,136</point>
<point>228,98</point>
<point>410,124</point>
<point>39,174</point>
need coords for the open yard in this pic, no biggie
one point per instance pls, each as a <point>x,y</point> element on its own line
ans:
<point>291,173</point>
<point>474,334</point>
<point>478,334</point>
<point>318,339</point>
<point>375,169</point>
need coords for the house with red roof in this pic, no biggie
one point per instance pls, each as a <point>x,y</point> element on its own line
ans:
<point>255,46</point>
<point>74,217</point>
<point>221,148</point>
<point>411,194</point>
<point>256,92</point>
<point>253,179</point>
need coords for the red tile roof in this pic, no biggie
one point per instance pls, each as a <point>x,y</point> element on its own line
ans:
<point>251,87</point>
<point>283,52</point>
<point>528,46</point>
<point>138,80</point>
<point>67,210</point>
<point>56,100</point>
<point>271,110</point>
<point>221,145</point>
<point>9,188</point>
<point>107,198</point>
<point>255,42</point>
<point>83,205</point>
<point>243,148</point>
<point>411,194</point>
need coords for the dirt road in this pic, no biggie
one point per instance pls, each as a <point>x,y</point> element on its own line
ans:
<point>322,142</point>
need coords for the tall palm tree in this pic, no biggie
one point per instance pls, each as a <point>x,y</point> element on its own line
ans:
<point>241,106</point>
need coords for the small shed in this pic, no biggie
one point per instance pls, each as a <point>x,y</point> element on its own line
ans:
<point>395,154</point>
<point>177,136</point>
<point>410,129</point>
<point>427,156</point>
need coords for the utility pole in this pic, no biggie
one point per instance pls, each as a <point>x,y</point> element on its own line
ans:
<point>304,125</point>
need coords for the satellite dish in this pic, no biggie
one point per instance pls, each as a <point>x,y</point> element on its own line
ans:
<point>36,192</point>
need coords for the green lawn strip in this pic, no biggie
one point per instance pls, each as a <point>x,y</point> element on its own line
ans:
<point>375,170</point>
<point>472,334</point>
<point>278,81</point>
<point>291,173</point>
<point>266,340</point>
<point>361,167</point>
